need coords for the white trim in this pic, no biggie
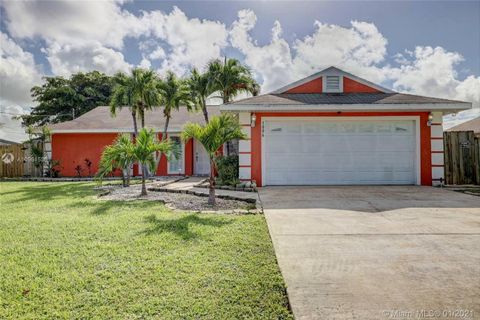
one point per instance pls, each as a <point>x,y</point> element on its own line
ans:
<point>244,159</point>
<point>331,71</point>
<point>438,172</point>
<point>437,159</point>
<point>245,173</point>
<point>244,118</point>
<point>247,131</point>
<point>436,131</point>
<point>183,156</point>
<point>244,146</point>
<point>347,107</point>
<point>333,118</point>
<point>437,145</point>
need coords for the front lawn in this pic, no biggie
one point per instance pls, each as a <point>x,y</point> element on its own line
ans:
<point>66,255</point>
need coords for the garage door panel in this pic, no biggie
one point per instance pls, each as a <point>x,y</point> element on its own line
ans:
<point>352,152</point>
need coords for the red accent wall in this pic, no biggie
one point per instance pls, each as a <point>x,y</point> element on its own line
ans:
<point>189,158</point>
<point>71,149</point>
<point>352,86</point>
<point>425,146</point>
<point>314,86</point>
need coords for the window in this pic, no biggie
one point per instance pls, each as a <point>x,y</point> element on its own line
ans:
<point>175,166</point>
<point>333,84</point>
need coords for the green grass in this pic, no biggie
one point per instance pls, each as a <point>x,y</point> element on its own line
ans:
<point>66,255</point>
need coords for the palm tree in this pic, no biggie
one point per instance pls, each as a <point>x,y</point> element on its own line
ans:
<point>138,92</point>
<point>124,96</point>
<point>146,93</point>
<point>145,149</point>
<point>200,89</point>
<point>218,131</point>
<point>173,92</point>
<point>231,78</point>
<point>118,155</point>
<point>124,151</point>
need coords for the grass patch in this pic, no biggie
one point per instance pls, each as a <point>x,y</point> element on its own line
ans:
<point>65,255</point>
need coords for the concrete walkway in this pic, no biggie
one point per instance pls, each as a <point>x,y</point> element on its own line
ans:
<point>376,252</point>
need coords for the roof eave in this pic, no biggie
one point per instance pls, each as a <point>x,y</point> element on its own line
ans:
<point>114,130</point>
<point>444,107</point>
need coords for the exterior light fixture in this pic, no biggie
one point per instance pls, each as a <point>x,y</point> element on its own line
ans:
<point>253,119</point>
<point>430,119</point>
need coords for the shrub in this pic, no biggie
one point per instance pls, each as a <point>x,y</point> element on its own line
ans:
<point>227,167</point>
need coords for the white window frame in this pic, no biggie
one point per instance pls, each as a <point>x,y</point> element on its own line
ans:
<point>183,156</point>
<point>416,120</point>
<point>340,84</point>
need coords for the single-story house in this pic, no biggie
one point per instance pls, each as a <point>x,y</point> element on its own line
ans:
<point>471,125</point>
<point>329,128</point>
<point>336,128</point>
<point>72,142</point>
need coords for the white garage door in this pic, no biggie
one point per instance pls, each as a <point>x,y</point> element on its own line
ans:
<point>316,152</point>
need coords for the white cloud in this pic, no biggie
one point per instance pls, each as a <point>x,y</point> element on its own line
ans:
<point>360,49</point>
<point>65,22</point>
<point>11,129</point>
<point>191,42</point>
<point>18,73</point>
<point>67,59</point>
<point>157,54</point>
<point>145,63</point>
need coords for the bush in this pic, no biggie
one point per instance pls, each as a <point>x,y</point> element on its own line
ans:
<point>227,167</point>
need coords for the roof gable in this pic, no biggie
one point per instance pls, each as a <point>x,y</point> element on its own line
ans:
<point>313,83</point>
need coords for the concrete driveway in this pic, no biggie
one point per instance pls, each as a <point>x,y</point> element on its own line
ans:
<point>377,252</point>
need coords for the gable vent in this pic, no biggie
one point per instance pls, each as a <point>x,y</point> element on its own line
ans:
<point>332,84</point>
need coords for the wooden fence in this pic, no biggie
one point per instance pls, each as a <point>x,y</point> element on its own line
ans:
<point>462,157</point>
<point>12,160</point>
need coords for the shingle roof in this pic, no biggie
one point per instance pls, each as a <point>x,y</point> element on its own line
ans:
<point>339,98</point>
<point>471,125</point>
<point>101,119</point>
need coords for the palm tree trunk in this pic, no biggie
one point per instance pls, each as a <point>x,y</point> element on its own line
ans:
<point>127,170</point>
<point>211,184</point>
<point>142,117</point>
<point>167,120</point>
<point>205,113</point>
<point>144,187</point>
<point>204,109</point>
<point>124,180</point>
<point>135,126</point>
<point>142,121</point>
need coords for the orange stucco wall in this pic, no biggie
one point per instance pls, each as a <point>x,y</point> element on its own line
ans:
<point>352,86</point>
<point>314,86</point>
<point>71,149</point>
<point>425,145</point>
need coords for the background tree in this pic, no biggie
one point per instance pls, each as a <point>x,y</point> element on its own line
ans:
<point>201,88</point>
<point>58,98</point>
<point>219,130</point>
<point>174,92</point>
<point>230,78</point>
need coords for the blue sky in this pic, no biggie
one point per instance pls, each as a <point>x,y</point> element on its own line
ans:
<point>428,48</point>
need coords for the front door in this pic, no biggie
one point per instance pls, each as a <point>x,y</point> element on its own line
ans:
<point>201,161</point>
